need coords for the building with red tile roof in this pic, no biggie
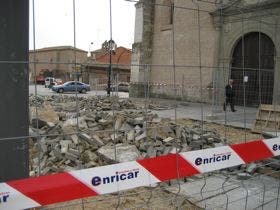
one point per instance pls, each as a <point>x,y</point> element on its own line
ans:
<point>95,71</point>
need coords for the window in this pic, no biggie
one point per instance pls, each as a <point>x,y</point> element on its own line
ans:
<point>167,12</point>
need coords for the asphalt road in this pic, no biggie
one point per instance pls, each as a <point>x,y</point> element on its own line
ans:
<point>41,90</point>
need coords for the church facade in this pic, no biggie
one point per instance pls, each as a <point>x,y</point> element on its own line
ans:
<point>188,50</point>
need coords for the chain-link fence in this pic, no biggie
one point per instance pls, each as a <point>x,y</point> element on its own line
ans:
<point>168,99</point>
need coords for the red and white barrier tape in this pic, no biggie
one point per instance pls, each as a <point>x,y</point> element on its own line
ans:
<point>45,190</point>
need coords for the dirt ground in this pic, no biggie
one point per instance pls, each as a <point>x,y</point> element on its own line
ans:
<point>154,198</point>
<point>138,199</point>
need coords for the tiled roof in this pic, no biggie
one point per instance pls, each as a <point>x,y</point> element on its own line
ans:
<point>121,56</point>
<point>57,48</point>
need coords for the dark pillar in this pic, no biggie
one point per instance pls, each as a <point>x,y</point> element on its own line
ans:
<point>14,17</point>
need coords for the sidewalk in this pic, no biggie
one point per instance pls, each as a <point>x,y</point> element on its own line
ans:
<point>197,111</point>
<point>242,118</point>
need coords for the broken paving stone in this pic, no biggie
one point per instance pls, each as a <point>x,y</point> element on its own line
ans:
<point>64,145</point>
<point>44,113</point>
<point>243,176</point>
<point>91,164</point>
<point>50,124</point>
<point>85,137</point>
<point>91,115</point>
<point>138,121</point>
<point>218,144</point>
<point>168,139</point>
<point>251,168</point>
<point>67,162</point>
<point>144,146</point>
<point>32,173</point>
<point>118,123</point>
<point>70,125</point>
<point>74,151</point>
<point>174,150</point>
<point>43,147</point>
<point>137,129</point>
<point>130,136</point>
<point>35,160</point>
<point>275,165</point>
<point>115,137</point>
<point>157,143</point>
<point>124,153</point>
<point>88,156</point>
<point>151,152</point>
<point>195,137</point>
<point>167,150</point>
<point>140,137</point>
<point>57,154</point>
<point>97,140</point>
<point>75,139</point>
<point>32,133</point>
<point>104,122</point>
<point>126,127</point>
<point>195,145</point>
<point>156,120</point>
<point>45,170</point>
<point>69,168</point>
<point>71,156</point>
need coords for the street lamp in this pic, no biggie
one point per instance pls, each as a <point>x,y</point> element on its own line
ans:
<point>112,47</point>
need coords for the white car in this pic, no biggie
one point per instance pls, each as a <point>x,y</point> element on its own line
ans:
<point>49,82</point>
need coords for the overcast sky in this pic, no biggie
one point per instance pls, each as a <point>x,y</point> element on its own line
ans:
<point>54,24</point>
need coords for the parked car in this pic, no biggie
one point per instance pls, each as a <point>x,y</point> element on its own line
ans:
<point>71,86</point>
<point>49,82</point>
<point>121,87</point>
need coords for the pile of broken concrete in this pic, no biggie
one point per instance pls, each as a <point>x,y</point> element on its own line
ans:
<point>67,134</point>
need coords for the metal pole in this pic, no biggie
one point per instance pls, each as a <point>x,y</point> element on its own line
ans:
<point>110,51</point>
<point>14,82</point>
<point>109,72</point>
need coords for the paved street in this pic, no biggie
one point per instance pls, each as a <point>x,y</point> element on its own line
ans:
<point>41,90</point>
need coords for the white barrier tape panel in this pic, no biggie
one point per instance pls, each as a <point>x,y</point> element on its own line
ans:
<point>213,159</point>
<point>10,198</point>
<point>113,178</point>
<point>55,188</point>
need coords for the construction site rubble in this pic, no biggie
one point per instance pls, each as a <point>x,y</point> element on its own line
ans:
<point>99,134</point>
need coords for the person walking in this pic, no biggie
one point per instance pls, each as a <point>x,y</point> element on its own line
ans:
<point>229,96</point>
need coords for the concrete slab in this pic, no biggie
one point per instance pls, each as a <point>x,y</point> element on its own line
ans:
<point>193,111</point>
<point>216,192</point>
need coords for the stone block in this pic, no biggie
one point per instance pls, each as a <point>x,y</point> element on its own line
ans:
<point>118,123</point>
<point>70,156</point>
<point>140,137</point>
<point>138,121</point>
<point>97,140</point>
<point>130,136</point>
<point>124,153</point>
<point>70,125</point>
<point>88,156</point>
<point>75,139</point>
<point>64,145</point>
<point>251,168</point>
<point>74,151</point>
<point>243,176</point>
<point>126,127</point>
<point>168,140</point>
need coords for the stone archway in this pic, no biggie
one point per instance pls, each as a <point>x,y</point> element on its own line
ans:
<point>227,45</point>
<point>253,60</point>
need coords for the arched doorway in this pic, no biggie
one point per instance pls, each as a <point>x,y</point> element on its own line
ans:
<point>253,72</point>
